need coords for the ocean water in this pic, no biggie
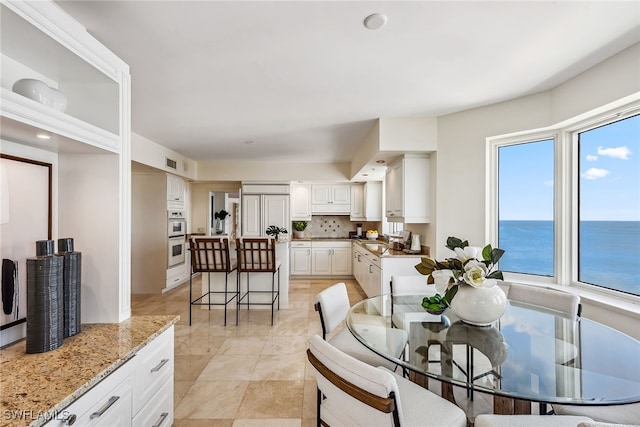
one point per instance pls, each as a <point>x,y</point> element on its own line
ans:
<point>609,253</point>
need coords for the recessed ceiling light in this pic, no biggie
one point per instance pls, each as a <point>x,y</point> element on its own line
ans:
<point>249,142</point>
<point>43,136</point>
<point>375,21</point>
<point>365,174</point>
<point>380,161</point>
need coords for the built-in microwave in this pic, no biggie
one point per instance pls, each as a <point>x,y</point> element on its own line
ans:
<point>176,224</point>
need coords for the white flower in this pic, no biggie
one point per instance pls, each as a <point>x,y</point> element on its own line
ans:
<point>470,252</point>
<point>441,279</point>
<point>475,274</point>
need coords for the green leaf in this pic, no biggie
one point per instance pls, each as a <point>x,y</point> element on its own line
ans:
<point>451,292</point>
<point>495,275</point>
<point>486,253</point>
<point>426,266</point>
<point>454,242</point>
<point>496,254</point>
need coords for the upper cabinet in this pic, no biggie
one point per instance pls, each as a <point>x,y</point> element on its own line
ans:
<point>176,191</point>
<point>407,196</point>
<point>366,201</point>
<point>331,198</point>
<point>76,88</point>
<point>301,202</point>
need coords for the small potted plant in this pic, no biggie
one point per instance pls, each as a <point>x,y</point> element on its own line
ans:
<point>298,228</point>
<point>275,231</point>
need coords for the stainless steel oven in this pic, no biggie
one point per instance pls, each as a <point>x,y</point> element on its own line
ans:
<point>176,224</point>
<point>176,251</point>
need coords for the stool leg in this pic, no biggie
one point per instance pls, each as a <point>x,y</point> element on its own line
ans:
<point>225,298</point>
<point>209,287</point>
<point>190,296</point>
<point>237,295</point>
<point>273,275</point>
<point>278,289</point>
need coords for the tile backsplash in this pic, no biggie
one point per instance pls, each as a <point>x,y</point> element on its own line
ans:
<point>336,226</point>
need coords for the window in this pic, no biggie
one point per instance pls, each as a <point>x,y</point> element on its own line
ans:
<point>525,207</point>
<point>609,205</point>
<point>565,204</point>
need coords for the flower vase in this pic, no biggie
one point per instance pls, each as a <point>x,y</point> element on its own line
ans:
<point>479,306</point>
<point>219,227</point>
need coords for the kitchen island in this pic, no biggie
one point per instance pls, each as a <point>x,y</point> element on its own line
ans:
<point>37,388</point>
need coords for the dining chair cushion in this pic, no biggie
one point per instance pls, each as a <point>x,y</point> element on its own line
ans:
<point>410,285</point>
<point>553,299</point>
<point>334,303</point>
<point>414,404</point>
<point>599,424</point>
<point>395,339</point>
<point>621,414</point>
<point>491,420</point>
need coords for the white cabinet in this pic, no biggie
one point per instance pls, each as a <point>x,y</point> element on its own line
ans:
<point>331,258</point>
<point>373,273</point>
<point>301,202</point>
<point>106,404</point>
<point>366,201</point>
<point>300,258</point>
<point>176,191</point>
<point>153,381</point>
<point>259,211</point>
<point>407,186</point>
<point>139,393</point>
<point>330,198</point>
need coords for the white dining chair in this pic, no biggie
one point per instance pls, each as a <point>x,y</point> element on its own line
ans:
<point>553,299</point>
<point>410,285</point>
<point>352,393</point>
<point>619,414</point>
<point>332,304</point>
<point>491,420</point>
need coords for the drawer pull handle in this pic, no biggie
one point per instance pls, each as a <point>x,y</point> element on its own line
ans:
<point>112,400</point>
<point>160,365</point>
<point>69,420</point>
<point>163,417</point>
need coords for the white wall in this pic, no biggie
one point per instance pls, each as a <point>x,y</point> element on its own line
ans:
<point>254,171</point>
<point>150,153</point>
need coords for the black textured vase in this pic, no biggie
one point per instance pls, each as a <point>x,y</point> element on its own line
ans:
<point>72,273</point>
<point>44,299</point>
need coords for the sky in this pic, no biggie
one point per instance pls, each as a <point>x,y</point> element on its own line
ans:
<point>609,186</point>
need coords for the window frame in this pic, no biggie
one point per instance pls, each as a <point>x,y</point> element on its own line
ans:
<point>565,188</point>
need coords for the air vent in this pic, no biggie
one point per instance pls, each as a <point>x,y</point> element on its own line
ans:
<point>172,164</point>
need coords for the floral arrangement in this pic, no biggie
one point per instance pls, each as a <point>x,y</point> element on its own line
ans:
<point>472,266</point>
<point>221,215</point>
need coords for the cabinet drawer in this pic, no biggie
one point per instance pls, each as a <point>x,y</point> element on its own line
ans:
<point>158,412</point>
<point>153,366</point>
<point>332,244</point>
<point>108,403</point>
<point>300,244</point>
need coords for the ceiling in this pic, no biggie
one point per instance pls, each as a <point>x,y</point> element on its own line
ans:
<point>304,81</point>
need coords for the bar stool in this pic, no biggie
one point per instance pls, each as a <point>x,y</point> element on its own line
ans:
<point>211,255</point>
<point>258,255</point>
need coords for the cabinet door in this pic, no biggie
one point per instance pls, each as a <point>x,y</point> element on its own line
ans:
<point>341,194</point>
<point>394,188</point>
<point>357,202</point>
<point>301,202</point>
<point>321,261</point>
<point>300,261</point>
<point>276,211</point>
<point>251,216</point>
<point>320,194</point>
<point>372,200</point>
<point>341,261</point>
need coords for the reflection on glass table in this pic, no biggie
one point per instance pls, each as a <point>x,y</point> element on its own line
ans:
<point>530,354</point>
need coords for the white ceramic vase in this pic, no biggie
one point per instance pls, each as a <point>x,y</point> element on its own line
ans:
<point>40,92</point>
<point>479,306</point>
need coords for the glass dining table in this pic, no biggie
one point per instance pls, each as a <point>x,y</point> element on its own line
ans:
<point>530,354</point>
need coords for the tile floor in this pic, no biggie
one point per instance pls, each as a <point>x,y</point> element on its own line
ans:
<point>253,374</point>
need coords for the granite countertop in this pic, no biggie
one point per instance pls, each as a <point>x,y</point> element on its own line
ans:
<point>44,383</point>
<point>377,247</point>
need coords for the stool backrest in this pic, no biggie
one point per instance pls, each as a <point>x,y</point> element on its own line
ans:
<point>256,255</point>
<point>210,255</point>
